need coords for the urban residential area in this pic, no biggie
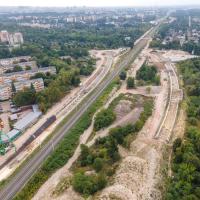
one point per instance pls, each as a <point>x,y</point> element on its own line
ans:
<point>99,100</point>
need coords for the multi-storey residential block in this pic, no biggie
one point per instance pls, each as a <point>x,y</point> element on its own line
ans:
<point>11,39</point>
<point>4,36</point>
<point>18,38</point>
<point>14,60</point>
<point>38,84</point>
<point>5,92</point>
<point>25,75</point>
<point>23,65</point>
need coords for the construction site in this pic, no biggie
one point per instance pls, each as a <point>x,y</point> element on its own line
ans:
<point>139,173</point>
<point>29,134</point>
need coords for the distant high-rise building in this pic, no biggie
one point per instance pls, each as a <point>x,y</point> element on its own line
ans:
<point>18,38</point>
<point>189,31</point>
<point>11,39</point>
<point>190,22</point>
<point>4,36</point>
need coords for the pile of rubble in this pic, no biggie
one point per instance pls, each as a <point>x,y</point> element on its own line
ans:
<point>137,175</point>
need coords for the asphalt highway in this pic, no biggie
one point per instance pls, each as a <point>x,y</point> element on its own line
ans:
<point>28,170</point>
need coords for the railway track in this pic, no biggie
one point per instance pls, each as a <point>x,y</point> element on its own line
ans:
<point>28,170</point>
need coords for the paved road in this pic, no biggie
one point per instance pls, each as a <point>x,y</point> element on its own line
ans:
<point>22,177</point>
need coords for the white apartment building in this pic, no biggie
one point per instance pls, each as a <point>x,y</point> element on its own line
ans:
<point>4,36</point>
<point>23,65</point>
<point>38,84</point>
<point>18,38</point>
<point>5,92</point>
<point>14,60</point>
<point>25,75</point>
<point>6,89</point>
<point>11,39</point>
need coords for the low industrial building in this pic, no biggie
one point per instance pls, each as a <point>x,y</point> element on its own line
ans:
<point>21,125</point>
<point>28,119</point>
<point>10,136</point>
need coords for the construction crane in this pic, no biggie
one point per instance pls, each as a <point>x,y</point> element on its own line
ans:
<point>4,145</point>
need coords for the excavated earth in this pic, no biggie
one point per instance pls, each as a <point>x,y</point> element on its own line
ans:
<point>137,175</point>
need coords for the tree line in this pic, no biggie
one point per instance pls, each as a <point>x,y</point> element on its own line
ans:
<point>102,157</point>
<point>185,182</point>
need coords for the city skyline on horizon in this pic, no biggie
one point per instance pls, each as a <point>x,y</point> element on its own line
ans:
<point>102,3</point>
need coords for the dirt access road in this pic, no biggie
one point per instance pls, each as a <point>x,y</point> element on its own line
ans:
<point>45,192</point>
<point>139,175</point>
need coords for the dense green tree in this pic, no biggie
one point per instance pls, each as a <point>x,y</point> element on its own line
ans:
<point>148,74</point>
<point>25,97</point>
<point>122,75</point>
<point>177,144</point>
<point>84,184</point>
<point>130,82</point>
<point>15,69</point>
<point>98,164</point>
<point>88,185</point>
<point>85,153</point>
<point>103,119</point>
<point>57,87</point>
<point>186,160</point>
<point>13,87</point>
<point>27,68</point>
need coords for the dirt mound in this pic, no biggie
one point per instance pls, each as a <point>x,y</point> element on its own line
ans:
<point>116,192</point>
<point>138,174</point>
<point>70,194</point>
<point>134,165</point>
<point>132,173</point>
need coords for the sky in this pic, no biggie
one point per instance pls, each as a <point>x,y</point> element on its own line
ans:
<point>95,3</point>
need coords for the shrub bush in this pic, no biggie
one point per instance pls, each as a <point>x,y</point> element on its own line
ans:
<point>103,119</point>
<point>88,185</point>
<point>98,164</point>
<point>63,151</point>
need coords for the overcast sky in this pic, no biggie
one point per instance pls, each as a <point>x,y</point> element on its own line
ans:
<point>96,2</point>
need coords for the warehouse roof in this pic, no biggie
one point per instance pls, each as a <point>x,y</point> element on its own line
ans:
<point>27,120</point>
<point>10,135</point>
